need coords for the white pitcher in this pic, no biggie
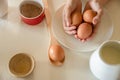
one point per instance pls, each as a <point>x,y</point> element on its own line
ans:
<point>105,61</point>
<point>3,7</point>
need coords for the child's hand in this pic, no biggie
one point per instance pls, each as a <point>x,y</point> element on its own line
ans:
<point>70,6</point>
<point>95,6</point>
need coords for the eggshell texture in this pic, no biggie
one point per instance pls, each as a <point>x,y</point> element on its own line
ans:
<point>89,15</point>
<point>84,30</point>
<point>56,53</point>
<point>76,18</point>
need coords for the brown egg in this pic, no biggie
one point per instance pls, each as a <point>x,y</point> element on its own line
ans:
<point>56,53</point>
<point>84,30</point>
<point>89,15</point>
<point>76,18</point>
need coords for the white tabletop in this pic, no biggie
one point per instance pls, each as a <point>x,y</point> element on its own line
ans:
<point>17,37</point>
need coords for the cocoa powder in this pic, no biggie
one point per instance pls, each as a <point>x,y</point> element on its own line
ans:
<point>30,10</point>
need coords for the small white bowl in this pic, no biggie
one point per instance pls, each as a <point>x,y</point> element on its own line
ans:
<point>21,65</point>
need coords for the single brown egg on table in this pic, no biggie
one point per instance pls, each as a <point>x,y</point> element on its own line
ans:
<point>56,54</point>
<point>88,15</point>
<point>76,18</point>
<point>84,30</point>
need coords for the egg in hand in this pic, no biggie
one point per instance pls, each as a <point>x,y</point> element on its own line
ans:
<point>88,15</point>
<point>84,30</point>
<point>76,18</point>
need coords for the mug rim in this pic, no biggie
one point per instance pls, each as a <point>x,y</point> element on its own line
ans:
<point>103,45</point>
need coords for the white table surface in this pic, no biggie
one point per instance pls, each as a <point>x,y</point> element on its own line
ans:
<point>17,37</point>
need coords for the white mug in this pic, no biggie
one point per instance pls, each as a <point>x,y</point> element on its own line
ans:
<point>105,61</point>
<point>3,7</point>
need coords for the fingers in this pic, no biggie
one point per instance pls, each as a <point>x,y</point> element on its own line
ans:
<point>70,6</point>
<point>97,18</point>
<point>73,32</point>
<point>82,40</point>
<point>69,28</point>
<point>76,36</point>
<point>68,9</point>
<point>95,5</point>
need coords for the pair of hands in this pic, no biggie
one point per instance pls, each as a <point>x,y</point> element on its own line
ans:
<point>74,5</point>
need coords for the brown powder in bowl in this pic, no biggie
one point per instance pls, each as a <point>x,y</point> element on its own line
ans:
<point>20,64</point>
<point>30,10</point>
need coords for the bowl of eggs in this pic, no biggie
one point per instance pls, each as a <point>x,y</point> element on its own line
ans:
<point>31,12</point>
<point>85,29</point>
<point>21,65</point>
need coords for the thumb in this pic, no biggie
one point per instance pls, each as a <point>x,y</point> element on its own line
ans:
<point>96,19</point>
